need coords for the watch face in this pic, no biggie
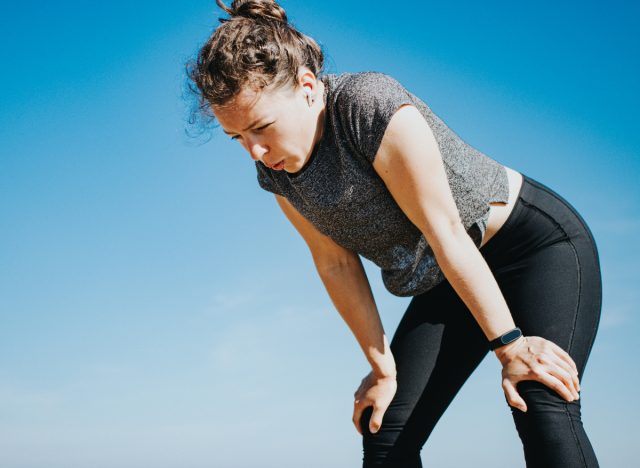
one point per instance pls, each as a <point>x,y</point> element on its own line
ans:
<point>511,336</point>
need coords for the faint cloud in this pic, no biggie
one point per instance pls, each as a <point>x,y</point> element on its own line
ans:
<point>615,316</point>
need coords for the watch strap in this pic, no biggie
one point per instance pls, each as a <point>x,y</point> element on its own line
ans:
<point>505,338</point>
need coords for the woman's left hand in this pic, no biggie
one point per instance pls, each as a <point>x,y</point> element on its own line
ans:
<point>535,358</point>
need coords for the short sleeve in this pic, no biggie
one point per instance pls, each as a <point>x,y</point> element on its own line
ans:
<point>265,180</point>
<point>365,103</point>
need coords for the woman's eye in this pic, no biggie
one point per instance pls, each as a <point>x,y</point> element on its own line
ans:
<point>255,130</point>
<point>263,127</point>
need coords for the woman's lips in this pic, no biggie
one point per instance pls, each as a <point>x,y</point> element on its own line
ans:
<point>279,166</point>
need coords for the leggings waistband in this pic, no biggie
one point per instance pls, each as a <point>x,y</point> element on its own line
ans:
<point>539,217</point>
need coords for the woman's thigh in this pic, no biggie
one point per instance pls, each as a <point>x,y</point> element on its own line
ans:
<point>436,346</point>
<point>550,296</point>
<point>546,264</point>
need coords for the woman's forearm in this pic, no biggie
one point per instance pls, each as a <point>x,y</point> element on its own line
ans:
<point>468,273</point>
<point>349,289</point>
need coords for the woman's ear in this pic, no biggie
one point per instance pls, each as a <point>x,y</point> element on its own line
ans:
<point>306,78</point>
<point>308,82</point>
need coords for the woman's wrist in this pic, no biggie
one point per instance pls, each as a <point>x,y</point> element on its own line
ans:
<point>504,353</point>
<point>385,367</point>
<point>382,362</point>
<point>386,374</point>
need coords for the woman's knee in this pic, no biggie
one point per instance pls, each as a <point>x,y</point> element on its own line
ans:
<point>548,415</point>
<point>542,399</point>
<point>392,445</point>
<point>551,429</point>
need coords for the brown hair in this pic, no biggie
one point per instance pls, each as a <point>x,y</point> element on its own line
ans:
<point>256,46</point>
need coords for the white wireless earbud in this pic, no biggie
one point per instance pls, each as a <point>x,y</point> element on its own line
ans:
<point>307,92</point>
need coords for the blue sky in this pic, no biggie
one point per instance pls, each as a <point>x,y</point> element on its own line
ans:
<point>157,309</point>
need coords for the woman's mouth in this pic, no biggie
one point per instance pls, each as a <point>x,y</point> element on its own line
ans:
<point>279,166</point>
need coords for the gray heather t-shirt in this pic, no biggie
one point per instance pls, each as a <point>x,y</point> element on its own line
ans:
<point>341,194</point>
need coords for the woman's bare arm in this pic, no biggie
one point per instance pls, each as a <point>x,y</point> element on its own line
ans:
<point>346,282</point>
<point>411,166</point>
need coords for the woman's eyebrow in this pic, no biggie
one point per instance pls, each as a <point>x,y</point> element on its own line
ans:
<point>253,124</point>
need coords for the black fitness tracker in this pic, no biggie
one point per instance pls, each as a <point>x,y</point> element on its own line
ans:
<point>506,338</point>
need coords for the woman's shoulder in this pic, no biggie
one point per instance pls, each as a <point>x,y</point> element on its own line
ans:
<point>352,94</point>
<point>362,105</point>
<point>363,83</point>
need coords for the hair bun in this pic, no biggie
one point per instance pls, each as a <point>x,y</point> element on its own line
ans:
<point>255,9</point>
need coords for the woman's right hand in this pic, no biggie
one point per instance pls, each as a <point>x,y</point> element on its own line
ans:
<point>535,358</point>
<point>376,391</point>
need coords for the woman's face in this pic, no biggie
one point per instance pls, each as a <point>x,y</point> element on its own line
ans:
<point>277,127</point>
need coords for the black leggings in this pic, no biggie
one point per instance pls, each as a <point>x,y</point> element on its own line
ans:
<point>545,261</point>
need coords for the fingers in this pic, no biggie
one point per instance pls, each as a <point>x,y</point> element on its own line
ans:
<point>376,419</point>
<point>561,370</point>
<point>562,359</point>
<point>552,364</point>
<point>513,397</point>
<point>376,393</point>
<point>553,383</point>
<point>569,391</point>
<point>357,414</point>
<point>564,356</point>
<point>558,363</point>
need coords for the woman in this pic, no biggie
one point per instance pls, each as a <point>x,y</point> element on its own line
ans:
<point>493,259</point>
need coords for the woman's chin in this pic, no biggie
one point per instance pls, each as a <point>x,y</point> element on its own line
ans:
<point>291,167</point>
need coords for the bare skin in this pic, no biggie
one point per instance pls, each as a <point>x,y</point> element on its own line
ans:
<point>499,212</point>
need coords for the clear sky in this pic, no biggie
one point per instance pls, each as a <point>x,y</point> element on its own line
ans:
<point>157,309</point>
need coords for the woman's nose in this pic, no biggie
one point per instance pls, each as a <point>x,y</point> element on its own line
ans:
<point>257,150</point>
